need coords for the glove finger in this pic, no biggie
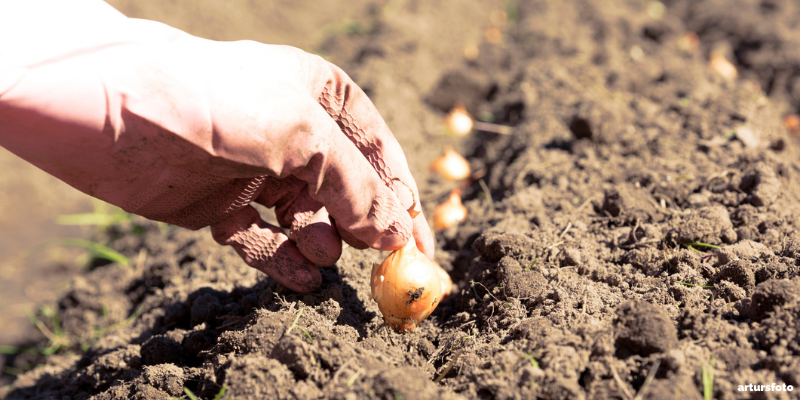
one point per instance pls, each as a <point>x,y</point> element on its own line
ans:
<point>308,222</point>
<point>362,124</point>
<point>316,238</point>
<point>278,192</point>
<point>423,236</point>
<point>349,238</point>
<point>267,249</point>
<point>340,178</point>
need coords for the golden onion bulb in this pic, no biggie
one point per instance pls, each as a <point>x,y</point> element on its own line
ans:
<point>451,165</point>
<point>408,286</point>
<point>449,213</point>
<point>722,66</point>
<point>459,121</point>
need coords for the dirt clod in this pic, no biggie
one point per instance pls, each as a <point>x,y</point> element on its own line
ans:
<point>161,350</point>
<point>709,225</point>
<point>642,328</point>
<point>743,250</point>
<point>166,377</point>
<point>740,273</point>
<point>773,294</point>
<point>258,377</point>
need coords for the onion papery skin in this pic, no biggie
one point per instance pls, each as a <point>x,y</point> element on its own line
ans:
<point>407,287</point>
<point>449,213</point>
<point>451,165</point>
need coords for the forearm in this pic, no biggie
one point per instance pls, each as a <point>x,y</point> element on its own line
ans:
<point>83,87</point>
<point>110,77</point>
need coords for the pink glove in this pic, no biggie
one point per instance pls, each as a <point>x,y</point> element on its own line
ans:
<point>190,131</point>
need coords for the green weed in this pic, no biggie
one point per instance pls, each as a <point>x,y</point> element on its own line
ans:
<point>294,325</point>
<point>708,379</point>
<point>104,215</point>
<point>100,332</point>
<point>13,371</point>
<point>532,360</point>
<point>533,264</point>
<point>57,339</point>
<point>221,392</point>
<point>14,350</point>
<point>97,250</point>
<point>189,393</point>
<point>693,285</point>
<point>693,246</point>
<point>487,193</point>
<point>512,12</point>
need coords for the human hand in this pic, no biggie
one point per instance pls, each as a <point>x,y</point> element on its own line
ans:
<point>190,132</point>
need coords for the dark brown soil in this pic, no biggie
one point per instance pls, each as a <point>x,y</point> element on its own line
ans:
<point>637,227</point>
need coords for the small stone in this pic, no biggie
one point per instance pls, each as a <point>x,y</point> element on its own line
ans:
<point>729,236</point>
<point>709,225</point>
<point>697,200</point>
<point>748,136</point>
<point>205,308</point>
<point>335,293</point>
<point>628,202</point>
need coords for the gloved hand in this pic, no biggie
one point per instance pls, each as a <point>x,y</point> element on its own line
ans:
<point>191,131</point>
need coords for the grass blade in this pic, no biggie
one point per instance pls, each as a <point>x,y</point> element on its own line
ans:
<point>97,249</point>
<point>708,379</point>
<point>189,393</point>
<point>221,393</point>
<point>11,350</point>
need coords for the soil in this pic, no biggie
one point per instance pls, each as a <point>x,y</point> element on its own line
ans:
<point>636,231</point>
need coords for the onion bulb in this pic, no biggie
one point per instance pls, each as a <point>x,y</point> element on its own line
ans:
<point>449,213</point>
<point>451,165</point>
<point>722,66</point>
<point>458,121</point>
<point>689,42</point>
<point>408,286</point>
<point>792,123</point>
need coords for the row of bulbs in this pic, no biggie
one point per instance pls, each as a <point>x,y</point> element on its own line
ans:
<point>407,285</point>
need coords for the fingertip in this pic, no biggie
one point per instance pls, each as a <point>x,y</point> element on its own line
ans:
<point>318,240</point>
<point>290,268</point>
<point>267,249</point>
<point>385,226</point>
<point>318,244</point>
<point>394,224</point>
<point>351,239</point>
<point>424,237</point>
<point>310,283</point>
